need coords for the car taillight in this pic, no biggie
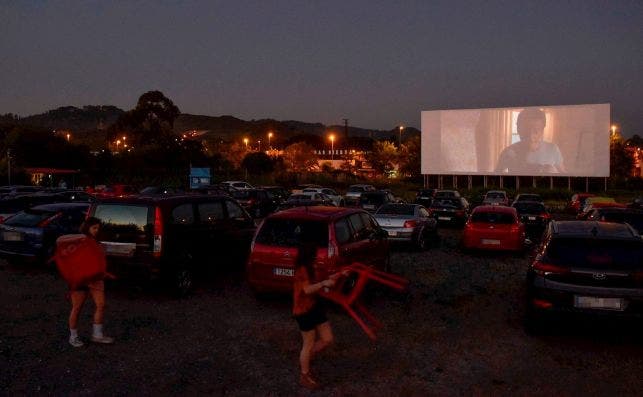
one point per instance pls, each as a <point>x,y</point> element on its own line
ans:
<point>545,215</point>
<point>459,212</point>
<point>515,228</point>
<point>158,232</point>
<point>541,304</point>
<point>46,222</point>
<point>410,224</point>
<point>542,268</point>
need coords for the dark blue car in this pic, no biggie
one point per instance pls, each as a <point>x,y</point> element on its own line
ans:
<point>31,234</point>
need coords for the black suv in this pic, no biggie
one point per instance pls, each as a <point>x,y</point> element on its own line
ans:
<point>585,267</point>
<point>174,237</point>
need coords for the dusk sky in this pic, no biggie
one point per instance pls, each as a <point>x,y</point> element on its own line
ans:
<point>377,63</point>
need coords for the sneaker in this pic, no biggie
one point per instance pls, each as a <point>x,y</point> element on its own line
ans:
<point>76,342</point>
<point>102,339</point>
<point>307,381</point>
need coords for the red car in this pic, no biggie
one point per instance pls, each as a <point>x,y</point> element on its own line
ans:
<point>343,236</point>
<point>494,228</point>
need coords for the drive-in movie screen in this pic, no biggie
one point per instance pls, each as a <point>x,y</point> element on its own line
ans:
<point>539,140</point>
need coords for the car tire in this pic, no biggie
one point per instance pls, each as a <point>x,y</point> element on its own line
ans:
<point>422,242</point>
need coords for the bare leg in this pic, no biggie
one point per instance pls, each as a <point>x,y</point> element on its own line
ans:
<point>97,291</point>
<point>308,339</point>
<point>326,337</point>
<point>77,300</point>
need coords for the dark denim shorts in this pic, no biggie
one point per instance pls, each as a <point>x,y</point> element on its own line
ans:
<point>312,318</point>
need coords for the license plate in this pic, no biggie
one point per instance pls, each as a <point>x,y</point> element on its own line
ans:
<point>591,302</point>
<point>487,241</point>
<point>12,236</point>
<point>424,198</point>
<point>369,207</point>
<point>392,233</point>
<point>444,218</point>
<point>119,249</point>
<point>280,271</point>
<point>532,218</point>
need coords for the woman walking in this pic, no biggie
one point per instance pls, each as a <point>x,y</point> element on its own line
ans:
<point>95,288</point>
<point>309,312</point>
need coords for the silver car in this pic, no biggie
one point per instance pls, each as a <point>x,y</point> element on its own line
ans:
<point>408,223</point>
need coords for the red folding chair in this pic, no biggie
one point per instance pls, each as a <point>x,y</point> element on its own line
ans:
<point>348,298</point>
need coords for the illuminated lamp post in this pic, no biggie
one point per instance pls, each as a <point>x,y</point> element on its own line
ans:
<point>259,143</point>
<point>118,143</point>
<point>400,138</point>
<point>332,146</point>
<point>269,138</point>
<point>245,140</point>
<point>68,136</point>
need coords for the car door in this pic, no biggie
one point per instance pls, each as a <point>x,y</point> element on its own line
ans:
<point>183,235</point>
<point>211,227</point>
<point>240,228</point>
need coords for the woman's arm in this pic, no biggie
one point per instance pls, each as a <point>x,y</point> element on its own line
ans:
<point>316,287</point>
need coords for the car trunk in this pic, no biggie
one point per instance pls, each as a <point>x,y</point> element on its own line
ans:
<point>127,229</point>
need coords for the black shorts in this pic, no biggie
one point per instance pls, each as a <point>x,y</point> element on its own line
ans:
<point>312,318</point>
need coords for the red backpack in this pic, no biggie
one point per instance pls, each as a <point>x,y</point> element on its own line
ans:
<point>80,260</point>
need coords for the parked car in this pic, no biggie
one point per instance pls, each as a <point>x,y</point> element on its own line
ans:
<point>372,201</point>
<point>528,197</point>
<point>637,203</point>
<point>343,236</point>
<point>238,184</point>
<point>577,202</point>
<point>281,194</point>
<point>257,202</point>
<point>632,217</point>
<point>338,200</point>
<point>408,223</point>
<point>588,268</point>
<point>115,191</point>
<point>496,197</point>
<point>300,188</point>
<point>31,234</point>
<point>354,192</point>
<point>452,211</point>
<point>598,202</point>
<point>159,190</point>
<point>425,197</point>
<point>446,194</point>
<point>494,227</point>
<point>173,237</point>
<point>306,199</point>
<point>534,216</point>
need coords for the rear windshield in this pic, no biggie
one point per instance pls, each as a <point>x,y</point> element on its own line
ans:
<point>493,217</point>
<point>370,198</point>
<point>123,215</point>
<point>356,189</point>
<point>529,208</point>
<point>244,194</point>
<point>447,203</point>
<point>28,218</point>
<point>529,197</point>
<point>596,253</point>
<point>397,209</point>
<point>290,232</point>
<point>495,195</point>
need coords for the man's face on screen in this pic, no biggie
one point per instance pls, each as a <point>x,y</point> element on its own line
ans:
<point>531,131</point>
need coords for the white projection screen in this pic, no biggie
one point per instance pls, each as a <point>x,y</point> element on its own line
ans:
<point>570,140</point>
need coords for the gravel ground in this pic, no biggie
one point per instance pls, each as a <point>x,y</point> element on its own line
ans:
<point>459,331</point>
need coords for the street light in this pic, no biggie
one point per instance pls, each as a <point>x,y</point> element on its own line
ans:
<point>332,146</point>
<point>259,141</point>
<point>269,138</point>
<point>118,143</point>
<point>400,139</point>
<point>245,140</point>
<point>68,136</point>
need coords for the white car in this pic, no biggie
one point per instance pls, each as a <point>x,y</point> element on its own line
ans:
<point>355,192</point>
<point>241,185</point>
<point>338,200</point>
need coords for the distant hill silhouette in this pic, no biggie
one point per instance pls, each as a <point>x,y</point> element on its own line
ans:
<point>90,122</point>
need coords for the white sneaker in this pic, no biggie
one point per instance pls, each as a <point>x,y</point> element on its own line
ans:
<point>75,341</point>
<point>102,339</point>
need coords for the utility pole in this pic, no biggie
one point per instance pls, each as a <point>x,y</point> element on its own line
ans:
<point>346,127</point>
<point>9,165</point>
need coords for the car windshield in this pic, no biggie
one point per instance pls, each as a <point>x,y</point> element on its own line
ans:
<point>495,195</point>
<point>596,253</point>
<point>396,209</point>
<point>28,218</point>
<point>634,220</point>
<point>291,232</point>
<point>122,216</point>
<point>356,189</point>
<point>529,208</point>
<point>501,218</point>
<point>529,197</point>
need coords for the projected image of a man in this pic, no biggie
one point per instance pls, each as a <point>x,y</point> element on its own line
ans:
<point>531,155</point>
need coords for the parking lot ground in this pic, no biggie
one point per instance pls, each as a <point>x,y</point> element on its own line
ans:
<point>458,331</point>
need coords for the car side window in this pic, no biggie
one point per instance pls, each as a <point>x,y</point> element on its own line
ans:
<point>358,226</point>
<point>183,215</point>
<point>211,212</point>
<point>342,231</point>
<point>370,224</point>
<point>234,210</point>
